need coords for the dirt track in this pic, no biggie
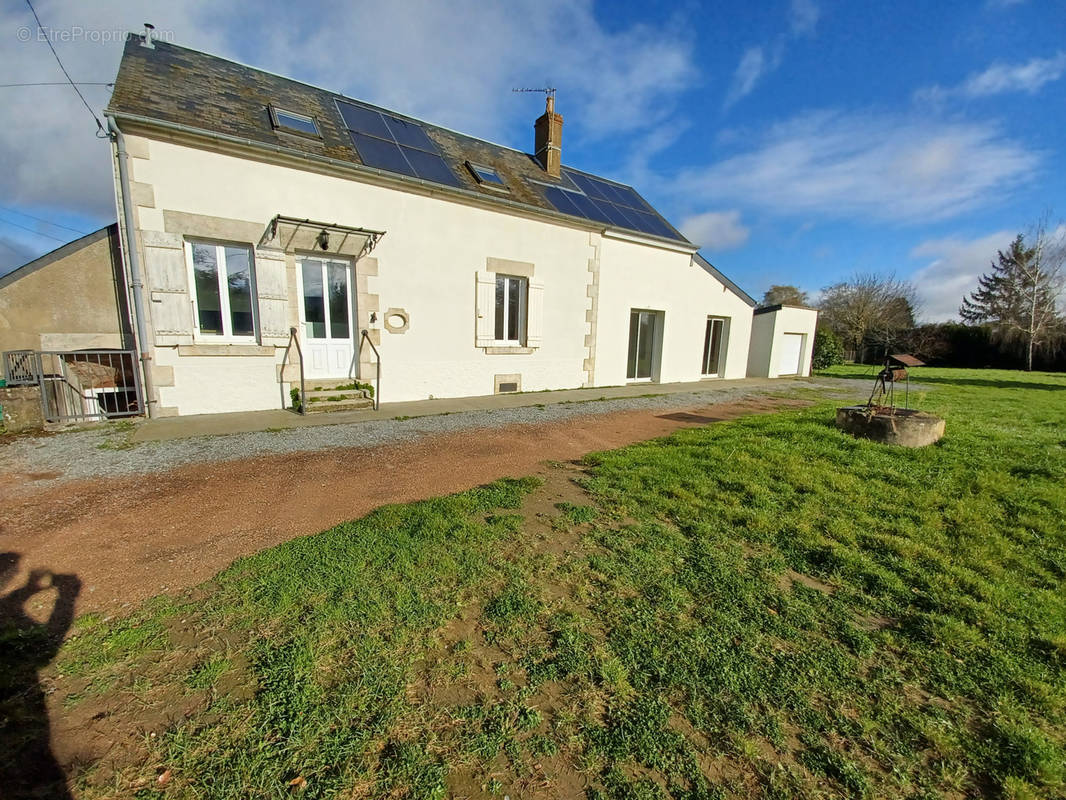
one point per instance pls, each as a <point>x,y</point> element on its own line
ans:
<point>131,538</point>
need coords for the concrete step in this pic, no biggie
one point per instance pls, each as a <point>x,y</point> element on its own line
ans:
<point>349,402</point>
<point>325,394</point>
<point>314,384</point>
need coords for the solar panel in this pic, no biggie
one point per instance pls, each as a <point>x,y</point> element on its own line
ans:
<point>560,198</point>
<point>396,145</point>
<point>409,134</point>
<point>430,166</point>
<point>364,120</point>
<point>607,203</point>
<point>382,154</point>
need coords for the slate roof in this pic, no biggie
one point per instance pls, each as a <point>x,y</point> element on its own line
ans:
<point>177,85</point>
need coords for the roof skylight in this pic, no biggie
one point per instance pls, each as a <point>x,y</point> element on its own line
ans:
<point>290,120</point>
<point>486,176</point>
<point>395,145</point>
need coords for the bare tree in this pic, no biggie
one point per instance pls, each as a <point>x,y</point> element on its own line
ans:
<point>869,307</point>
<point>786,296</point>
<point>1019,297</point>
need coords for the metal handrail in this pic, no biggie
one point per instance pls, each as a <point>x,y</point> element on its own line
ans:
<point>294,339</point>
<point>377,364</point>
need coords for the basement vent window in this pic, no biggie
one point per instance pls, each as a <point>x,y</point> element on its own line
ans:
<point>292,122</point>
<point>486,176</point>
<point>508,387</point>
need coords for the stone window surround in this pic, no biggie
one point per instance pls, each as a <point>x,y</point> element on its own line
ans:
<point>520,269</point>
<point>247,232</point>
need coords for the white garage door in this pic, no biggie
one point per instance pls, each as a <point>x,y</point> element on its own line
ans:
<point>791,353</point>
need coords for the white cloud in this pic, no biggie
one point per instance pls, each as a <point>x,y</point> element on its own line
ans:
<point>866,166</point>
<point>758,61</point>
<point>1000,78</point>
<point>953,271</point>
<point>1028,77</point>
<point>754,64</point>
<point>716,230</point>
<point>451,63</point>
<point>804,17</point>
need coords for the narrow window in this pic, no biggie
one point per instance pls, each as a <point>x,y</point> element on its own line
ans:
<point>208,302</point>
<point>314,303</point>
<point>511,309</point>
<point>338,300</point>
<point>223,280</point>
<point>712,347</point>
<point>239,286</point>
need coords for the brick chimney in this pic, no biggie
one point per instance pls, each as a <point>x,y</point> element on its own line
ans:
<point>548,139</point>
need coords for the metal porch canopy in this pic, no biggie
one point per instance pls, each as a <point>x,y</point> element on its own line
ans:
<point>294,233</point>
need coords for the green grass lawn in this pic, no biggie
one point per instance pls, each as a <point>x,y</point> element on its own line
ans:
<point>764,607</point>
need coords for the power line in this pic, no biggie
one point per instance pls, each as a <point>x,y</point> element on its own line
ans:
<point>54,83</point>
<point>14,250</point>
<point>42,219</point>
<point>31,230</point>
<point>74,86</point>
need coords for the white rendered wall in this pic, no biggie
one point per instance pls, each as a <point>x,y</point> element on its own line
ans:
<point>767,332</point>
<point>634,277</point>
<point>427,264</point>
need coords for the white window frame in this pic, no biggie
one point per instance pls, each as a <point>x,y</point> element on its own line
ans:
<point>227,336</point>
<point>324,262</point>
<point>523,309</point>
<point>722,346</point>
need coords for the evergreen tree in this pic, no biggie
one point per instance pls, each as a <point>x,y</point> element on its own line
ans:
<point>1018,298</point>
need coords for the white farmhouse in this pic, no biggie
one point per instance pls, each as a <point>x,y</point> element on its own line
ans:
<point>272,228</point>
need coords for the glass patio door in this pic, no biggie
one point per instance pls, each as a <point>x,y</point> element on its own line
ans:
<point>326,316</point>
<point>643,344</point>
<point>712,347</point>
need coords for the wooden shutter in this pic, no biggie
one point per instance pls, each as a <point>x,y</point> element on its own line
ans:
<point>485,327</point>
<point>270,274</point>
<point>535,313</point>
<point>166,274</point>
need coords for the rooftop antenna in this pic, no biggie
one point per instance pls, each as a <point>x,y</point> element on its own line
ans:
<point>548,91</point>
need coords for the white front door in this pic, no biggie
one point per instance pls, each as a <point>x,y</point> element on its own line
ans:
<point>326,316</point>
<point>791,353</point>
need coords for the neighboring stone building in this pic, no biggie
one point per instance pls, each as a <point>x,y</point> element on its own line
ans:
<point>73,298</point>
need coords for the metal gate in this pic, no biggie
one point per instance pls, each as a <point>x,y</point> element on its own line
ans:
<point>81,385</point>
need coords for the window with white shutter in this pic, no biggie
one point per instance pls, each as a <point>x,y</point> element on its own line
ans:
<point>510,308</point>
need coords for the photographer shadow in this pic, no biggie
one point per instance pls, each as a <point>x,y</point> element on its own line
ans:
<point>28,767</point>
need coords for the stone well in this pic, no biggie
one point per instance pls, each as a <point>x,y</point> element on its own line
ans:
<point>903,426</point>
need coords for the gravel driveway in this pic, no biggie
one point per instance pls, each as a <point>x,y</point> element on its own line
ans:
<point>103,452</point>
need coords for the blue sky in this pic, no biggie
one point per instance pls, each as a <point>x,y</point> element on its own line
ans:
<point>798,141</point>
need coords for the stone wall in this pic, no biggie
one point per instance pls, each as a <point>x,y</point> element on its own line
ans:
<point>22,408</point>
